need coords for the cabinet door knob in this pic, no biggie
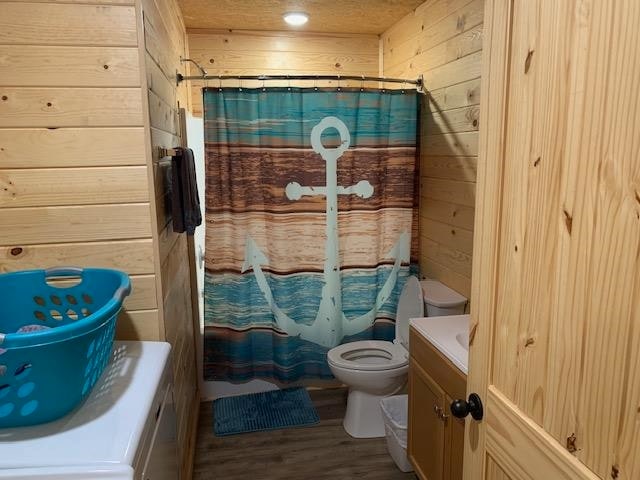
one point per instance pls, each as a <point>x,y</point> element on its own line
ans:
<point>440,413</point>
<point>473,406</point>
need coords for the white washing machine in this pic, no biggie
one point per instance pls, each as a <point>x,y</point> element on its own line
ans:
<point>126,428</point>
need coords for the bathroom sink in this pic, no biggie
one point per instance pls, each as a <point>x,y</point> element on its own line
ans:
<point>463,340</point>
<point>450,335</point>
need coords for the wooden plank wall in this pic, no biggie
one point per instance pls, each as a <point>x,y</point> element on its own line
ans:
<point>442,40</point>
<point>163,43</point>
<point>86,91</point>
<point>73,172</point>
<point>294,53</point>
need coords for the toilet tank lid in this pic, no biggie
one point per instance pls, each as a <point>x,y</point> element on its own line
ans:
<point>439,295</point>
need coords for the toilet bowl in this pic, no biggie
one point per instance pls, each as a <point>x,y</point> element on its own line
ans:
<point>376,369</point>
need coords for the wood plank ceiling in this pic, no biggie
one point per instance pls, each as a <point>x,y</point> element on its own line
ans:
<point>325,16</point>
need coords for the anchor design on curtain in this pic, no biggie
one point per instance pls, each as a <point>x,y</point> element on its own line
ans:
<point>330,325</point>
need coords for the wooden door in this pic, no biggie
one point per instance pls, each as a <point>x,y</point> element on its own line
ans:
<point>555,340</point>
<point>426,428</point>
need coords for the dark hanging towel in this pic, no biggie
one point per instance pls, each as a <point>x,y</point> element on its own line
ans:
<point>184,195</point>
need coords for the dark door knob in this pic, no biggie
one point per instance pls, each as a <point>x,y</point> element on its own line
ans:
<point>473,406</point>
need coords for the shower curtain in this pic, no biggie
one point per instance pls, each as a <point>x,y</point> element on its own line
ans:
<point>311,227</point>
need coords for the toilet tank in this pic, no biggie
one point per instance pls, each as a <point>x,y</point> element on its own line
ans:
<point>440,300</point>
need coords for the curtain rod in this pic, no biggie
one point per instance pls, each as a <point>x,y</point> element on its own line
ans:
<point>363,78</point>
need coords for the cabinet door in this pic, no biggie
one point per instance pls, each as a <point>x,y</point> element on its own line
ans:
<point>426,428</point>
<point>454,444</point>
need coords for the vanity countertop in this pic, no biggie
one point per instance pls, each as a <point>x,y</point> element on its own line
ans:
<point>450,335</point>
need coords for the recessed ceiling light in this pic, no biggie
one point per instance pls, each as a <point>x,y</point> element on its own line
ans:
<point>296,19</point>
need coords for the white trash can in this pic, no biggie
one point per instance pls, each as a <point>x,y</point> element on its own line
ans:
<point>395,413</point>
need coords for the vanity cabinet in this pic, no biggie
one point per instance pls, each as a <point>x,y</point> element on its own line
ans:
<point>436,438</point>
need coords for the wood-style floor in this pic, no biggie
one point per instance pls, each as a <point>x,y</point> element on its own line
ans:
<point>323,451</point>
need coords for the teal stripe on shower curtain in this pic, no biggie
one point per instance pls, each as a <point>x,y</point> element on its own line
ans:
<point>310,225</point>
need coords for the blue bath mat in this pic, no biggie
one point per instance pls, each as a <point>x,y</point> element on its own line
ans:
<point>272,410</point>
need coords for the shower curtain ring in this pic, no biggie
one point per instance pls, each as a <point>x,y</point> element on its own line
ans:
<point>219,83</point>
<point>315,83</point>
<point>404,86</point>
<point>288,83</point>
<point>339,87</point>
<point>263,88</point>
<point>362,84</point>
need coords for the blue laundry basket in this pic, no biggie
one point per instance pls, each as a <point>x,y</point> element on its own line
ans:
<point>56,335</point>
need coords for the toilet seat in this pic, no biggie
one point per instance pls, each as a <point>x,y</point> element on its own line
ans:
<point>368,355</point>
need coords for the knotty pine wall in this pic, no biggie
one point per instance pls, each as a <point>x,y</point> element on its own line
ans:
<point>442,40</point>
<point>163,42</point>
<point>73,170</point>
<point>87,91</point>
<point>295,53</point>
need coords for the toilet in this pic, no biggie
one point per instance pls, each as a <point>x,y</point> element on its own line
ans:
<point>374,369</point>
<point>440,300</point>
